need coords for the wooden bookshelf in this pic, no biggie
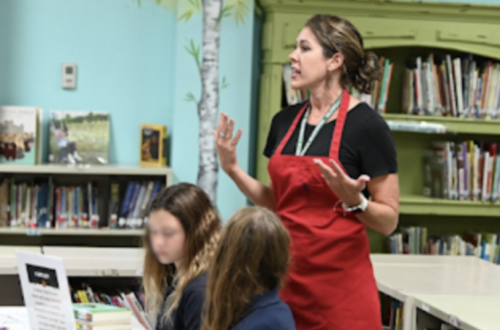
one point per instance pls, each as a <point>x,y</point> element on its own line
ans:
<point>101,176</point>
<point>397,30</point>
<point>421,205</point>
<point>101,170</point>
<point>70,232</point>
<point>82,262</point>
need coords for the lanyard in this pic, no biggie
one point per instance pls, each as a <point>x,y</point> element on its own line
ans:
<point>301,152</point>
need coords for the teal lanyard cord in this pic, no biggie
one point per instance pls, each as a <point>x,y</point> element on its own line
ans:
<point>301,152</point>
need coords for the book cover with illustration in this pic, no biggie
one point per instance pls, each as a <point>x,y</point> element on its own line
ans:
<point>153,140</point>
<point>95,312</point>
<point>79,137</point>
<point>20,135</point>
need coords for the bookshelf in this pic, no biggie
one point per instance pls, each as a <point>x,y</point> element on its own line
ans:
<point>110,271</point>
<point>396,30</point>
<point>105,203</point>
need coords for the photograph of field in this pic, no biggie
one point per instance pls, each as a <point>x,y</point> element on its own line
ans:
<point>79,137</point>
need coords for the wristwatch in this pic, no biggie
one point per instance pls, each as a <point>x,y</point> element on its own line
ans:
<point>361,207</point>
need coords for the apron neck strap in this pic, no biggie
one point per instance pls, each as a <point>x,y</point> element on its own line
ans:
<point>339,125</point>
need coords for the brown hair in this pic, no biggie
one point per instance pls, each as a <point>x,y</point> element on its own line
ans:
<point>338,35</point>
<point>201,223</point>
<point>252,258</point>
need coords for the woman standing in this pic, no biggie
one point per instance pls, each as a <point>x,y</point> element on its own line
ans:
<point>333,170</point>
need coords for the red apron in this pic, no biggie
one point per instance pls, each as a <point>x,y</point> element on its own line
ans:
<point>330,285</point>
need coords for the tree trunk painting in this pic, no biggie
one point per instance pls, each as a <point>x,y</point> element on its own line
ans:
<point>208,105</point>
<point>213,12</point>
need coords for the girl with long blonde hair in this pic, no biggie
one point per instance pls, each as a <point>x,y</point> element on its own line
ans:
<point>181,236</point>
<point>246,274</point>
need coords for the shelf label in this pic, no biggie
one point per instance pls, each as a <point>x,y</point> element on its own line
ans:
<point>453,320</point>
<point>33,232</point>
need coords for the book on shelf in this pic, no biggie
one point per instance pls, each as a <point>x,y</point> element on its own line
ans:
<point>44,204</point>
<point>396,315</point>
<point>462,170</point>
<point>452,86</point>
<point>94,305</point>
<point>20,135</point>
<point>416,240</point>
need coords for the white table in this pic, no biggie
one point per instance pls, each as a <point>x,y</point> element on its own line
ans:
<point>16,318</point>
<point>403,277</point>
<point>464,312</point>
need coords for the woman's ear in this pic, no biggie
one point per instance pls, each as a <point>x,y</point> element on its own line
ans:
<point>335,62</point>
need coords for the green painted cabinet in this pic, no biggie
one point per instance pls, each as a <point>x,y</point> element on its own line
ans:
<point>396,30</point>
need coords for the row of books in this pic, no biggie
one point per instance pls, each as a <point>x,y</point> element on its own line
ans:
<point>43,205</point>
<point>92,308</point>
<point>451,86</point>
<point>465,170</point>
<point>46,205</point>
<point>135,205</point>
<point>415,240</point>
<point>455,86</point>
<point>377,99</point>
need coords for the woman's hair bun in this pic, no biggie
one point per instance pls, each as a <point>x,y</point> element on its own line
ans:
<point>369,71</point>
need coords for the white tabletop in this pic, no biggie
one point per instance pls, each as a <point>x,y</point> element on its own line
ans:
<point>463,312</point>
<point>400,275</point>
<point>16,318</point>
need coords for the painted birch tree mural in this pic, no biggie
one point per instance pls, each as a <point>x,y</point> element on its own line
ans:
<point>206,59</point>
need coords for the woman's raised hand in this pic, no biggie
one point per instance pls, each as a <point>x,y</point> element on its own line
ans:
<point>348,189</point>
<point>226,143</point>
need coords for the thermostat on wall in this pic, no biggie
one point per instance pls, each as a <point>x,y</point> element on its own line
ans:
<point>69,76</point>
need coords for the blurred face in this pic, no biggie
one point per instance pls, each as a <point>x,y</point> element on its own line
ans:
<point>310,68</point>
<point>167,237</point>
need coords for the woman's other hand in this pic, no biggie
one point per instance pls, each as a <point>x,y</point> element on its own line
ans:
<point>226,143</point>
<point>348,189</point>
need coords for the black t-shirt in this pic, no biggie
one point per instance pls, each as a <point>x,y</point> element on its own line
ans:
<point>366,147</point>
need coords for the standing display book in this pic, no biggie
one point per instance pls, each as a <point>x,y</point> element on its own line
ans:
<point>153,141</point>
<point>79,137</point>
<point>20,135</point>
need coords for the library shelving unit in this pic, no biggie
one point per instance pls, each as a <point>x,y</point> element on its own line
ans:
<point>102,176</point>
<point>111,268</point>
<point>397,30</point>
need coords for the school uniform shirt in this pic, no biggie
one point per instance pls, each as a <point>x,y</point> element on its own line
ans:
<point>188,315</point>
<point>267,312</point>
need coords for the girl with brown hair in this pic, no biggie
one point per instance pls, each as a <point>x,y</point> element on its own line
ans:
<point>246,273</point>
<point>333,171</point>
<point>181,236</point>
